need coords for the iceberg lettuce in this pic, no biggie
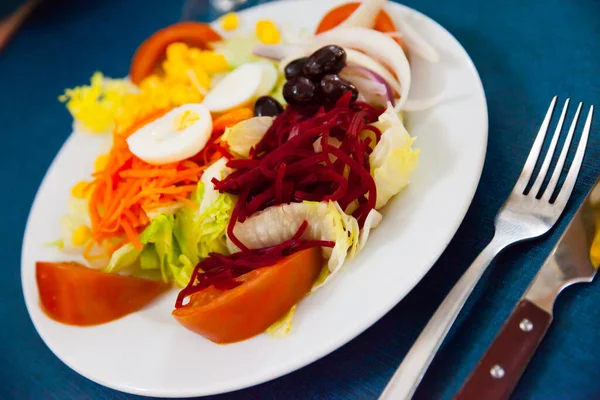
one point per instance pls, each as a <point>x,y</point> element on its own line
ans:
<point>173,244</point>
<point>393,159</point>
<point>326,221</point>
<point>246,134</point>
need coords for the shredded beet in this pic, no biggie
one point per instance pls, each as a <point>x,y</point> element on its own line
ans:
<point>285,167</point>
<point>221,271</point>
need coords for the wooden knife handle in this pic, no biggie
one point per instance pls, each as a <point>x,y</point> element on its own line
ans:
<point>501,367</point>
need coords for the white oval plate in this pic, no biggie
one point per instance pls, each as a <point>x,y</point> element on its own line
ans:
<point>148,353</point>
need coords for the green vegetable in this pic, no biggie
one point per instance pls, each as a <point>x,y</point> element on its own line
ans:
<point>238,49</point>
<point>246,134</point>
<point>173,244</point>
<point>326,221</point>
<point>393,159</point>
<point>281,328</point>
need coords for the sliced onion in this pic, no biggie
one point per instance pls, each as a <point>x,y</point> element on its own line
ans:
<point>372,86</point>
<point>435,100</point>
<point>357,58</point>
<point>416,43</point>
<point>376,44</point>
<point>364,16</point>
<point>276,51</point>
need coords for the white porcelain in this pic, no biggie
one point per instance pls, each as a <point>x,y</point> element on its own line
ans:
<point>148,353</point>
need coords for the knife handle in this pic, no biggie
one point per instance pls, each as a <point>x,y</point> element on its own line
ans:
<point>501,367</point>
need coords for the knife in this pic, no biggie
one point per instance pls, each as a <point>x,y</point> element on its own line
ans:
<point>574,259</point>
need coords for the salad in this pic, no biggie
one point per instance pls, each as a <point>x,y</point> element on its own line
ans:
<point>244,170</point>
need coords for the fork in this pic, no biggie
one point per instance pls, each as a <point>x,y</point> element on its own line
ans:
<point>525,215</point>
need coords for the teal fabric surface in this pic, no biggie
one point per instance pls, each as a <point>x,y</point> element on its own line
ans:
<point>526,52</point>
<point>8,6</point>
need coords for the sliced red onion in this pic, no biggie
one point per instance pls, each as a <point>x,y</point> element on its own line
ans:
<point>277,51</point>
<point>371,85</point>
<point>377,45</point>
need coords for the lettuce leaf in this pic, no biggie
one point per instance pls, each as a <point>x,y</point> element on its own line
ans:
<point>237,49</point>
<point>393,159</point>
<point>326,221</point>
<point>173,244</point>
<point>246,134</point>
<point>281,328</point>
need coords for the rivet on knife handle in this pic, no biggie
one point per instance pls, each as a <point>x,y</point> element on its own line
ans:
<point>498,372</point>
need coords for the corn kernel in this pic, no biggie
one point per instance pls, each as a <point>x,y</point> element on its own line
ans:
<point>213,63</point>
<point>81,190</point>
<point>81,236</point>
<point>150,83</point>
<point>230,21</point>
<point>176,51</point>
<point>101,162</point>
<point>267,32</point>
<point>194,55</point>
<point>175,70</point>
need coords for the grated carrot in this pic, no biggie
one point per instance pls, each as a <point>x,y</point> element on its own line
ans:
<point>127,187</point>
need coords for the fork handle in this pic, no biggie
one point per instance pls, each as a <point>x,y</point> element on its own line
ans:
<point>407,377</point>
<point>498,372</point>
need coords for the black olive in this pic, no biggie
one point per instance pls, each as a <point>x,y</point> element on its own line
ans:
<point>333,87</point>
<point>327,60</point>
<point>295,68</point>
<point>266,106</point>
<point>299,91</point>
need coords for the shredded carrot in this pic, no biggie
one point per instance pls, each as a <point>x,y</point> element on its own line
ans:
<point>151,173</point>
<point>187,202</point>
<point>128,187</point>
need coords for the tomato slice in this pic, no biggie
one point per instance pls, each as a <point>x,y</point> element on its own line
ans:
<point>74,294</point>
<point>152,51</point>
<point>337,15</point>
<point>266,294</point>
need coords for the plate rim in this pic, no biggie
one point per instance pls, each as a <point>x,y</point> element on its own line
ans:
<point>299,362</point>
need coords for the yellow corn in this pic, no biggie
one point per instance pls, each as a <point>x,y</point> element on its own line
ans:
<point>149,83</point>
<point>101,162</point>
<point>81,235</point>
<point>213,63</point>
<point>267,32</point>
<point>177,51</point>
<point>81,190</point>
<point>230,21</point>
<point>194,56</point>
<point>175,70</point>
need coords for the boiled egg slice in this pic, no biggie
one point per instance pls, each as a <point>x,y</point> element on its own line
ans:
<point>177,135</point>
<point>268,80</point>
<point>241,86</point>
<point>235,89</point>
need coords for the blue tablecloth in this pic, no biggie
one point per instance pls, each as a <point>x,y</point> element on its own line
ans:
<point>526,52</point>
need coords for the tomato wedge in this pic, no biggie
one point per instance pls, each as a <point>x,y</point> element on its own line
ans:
<point>337,15</point>
<point>148,56</point>
<point>76,295</point>
<point>266,294</point>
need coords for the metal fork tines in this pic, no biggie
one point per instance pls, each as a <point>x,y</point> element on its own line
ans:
<point>528,213</point>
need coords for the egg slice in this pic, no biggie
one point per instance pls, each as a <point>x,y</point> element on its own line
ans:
<point>241,86</point>
<point>177,135</point>
<point>235,89</point>
<point>268,80</point>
